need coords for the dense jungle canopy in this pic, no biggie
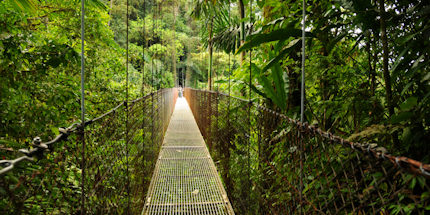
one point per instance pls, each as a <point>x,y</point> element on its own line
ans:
<point>367,62</point>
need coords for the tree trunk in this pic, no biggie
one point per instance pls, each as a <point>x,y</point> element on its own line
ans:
<point>386,72</point>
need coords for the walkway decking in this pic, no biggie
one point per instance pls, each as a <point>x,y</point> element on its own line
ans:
<point>185,179</point>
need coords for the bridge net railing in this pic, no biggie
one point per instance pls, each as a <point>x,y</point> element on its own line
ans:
<point>121,148</point>
<point>271,164</point>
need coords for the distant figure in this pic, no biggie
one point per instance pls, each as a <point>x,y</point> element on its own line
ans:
<point>180,91</point>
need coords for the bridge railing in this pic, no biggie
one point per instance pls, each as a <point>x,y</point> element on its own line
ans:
<point>271,164</point>
<point>121,148</point>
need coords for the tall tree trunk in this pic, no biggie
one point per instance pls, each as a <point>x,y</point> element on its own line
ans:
<point>386,72</point>
<point>242,28</point>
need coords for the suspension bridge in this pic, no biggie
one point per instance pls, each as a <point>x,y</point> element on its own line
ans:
<point>162,162</point>
<point>210,153</point>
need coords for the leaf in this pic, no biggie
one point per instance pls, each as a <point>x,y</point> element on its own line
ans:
<point>258,91</point>
<point>409,103</point>
<point>97,3</point>
<point>280,34</point>
<point>401,117</point>
<point>426,77</point>
<point>24,5</point>
<point>268,89</point>
<point>335,40</point>
<point>291,46</point>
<point>279,86</point>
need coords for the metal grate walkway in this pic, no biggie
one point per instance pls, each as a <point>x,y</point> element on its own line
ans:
<point>185,179</point>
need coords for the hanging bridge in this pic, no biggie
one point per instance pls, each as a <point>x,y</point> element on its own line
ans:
<point>211,154</point>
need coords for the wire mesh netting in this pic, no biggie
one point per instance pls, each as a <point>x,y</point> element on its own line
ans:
<point>120,153</point>
<point>271,164</point>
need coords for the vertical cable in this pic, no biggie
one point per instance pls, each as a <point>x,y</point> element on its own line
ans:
<point>160,5</point>
<point>249,111</point>
<point>229,56</point>
<point>83,104</point>
<point>227,151</point>
<point>143,100</point>
<point>302,100</point>
<point>152,79</point>
<point>143,47</point>
<point>127,114</point>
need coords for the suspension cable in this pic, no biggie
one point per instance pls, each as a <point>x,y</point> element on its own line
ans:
<point>249,107</point>
<point>143,85</point>
<point>302,100</point>
<point>152,76</point>
<point>229,70</point>
<point>83,104</point>
<point>127,110</point>
<point>160,71</point>
<point>143,48</point>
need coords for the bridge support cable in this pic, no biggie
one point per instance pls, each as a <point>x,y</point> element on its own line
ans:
<point>144,45</point>
<point>302,97</point>
<point>83,105</point>
<point>249,112</point>
<point>127,140</point>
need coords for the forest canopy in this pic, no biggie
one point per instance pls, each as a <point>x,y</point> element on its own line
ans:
<point>367,62</point>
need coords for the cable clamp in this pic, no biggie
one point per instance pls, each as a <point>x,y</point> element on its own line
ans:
<point>37,142</point>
